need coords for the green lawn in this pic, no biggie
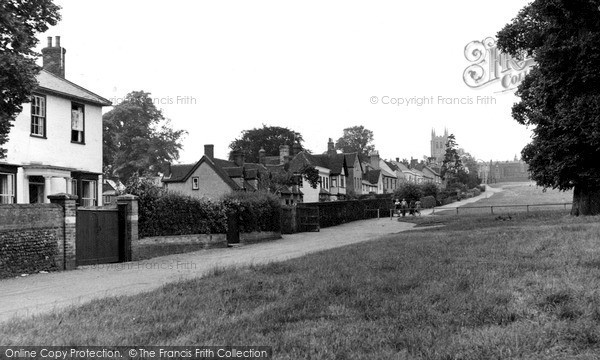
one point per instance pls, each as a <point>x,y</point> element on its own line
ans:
<point>476,288</point>
<point>517,194</point>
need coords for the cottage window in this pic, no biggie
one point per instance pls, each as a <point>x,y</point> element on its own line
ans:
<point>327,183</point>
<point>77,123</point>
<point>38,116</point>
<point>7,188</point>
<point>195,183</point>
<point>88,193</point>
<point>342,181</point>
<point>334,181</point>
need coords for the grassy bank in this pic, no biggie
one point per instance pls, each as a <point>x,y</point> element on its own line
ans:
<point>477,288</point>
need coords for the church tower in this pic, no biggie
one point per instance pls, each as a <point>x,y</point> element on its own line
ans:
<point>438,145</point>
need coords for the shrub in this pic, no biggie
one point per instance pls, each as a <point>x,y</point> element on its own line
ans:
<point>257,211</point>
<point>176,214</point>
<point>476,192</point>
<point>430,189</point>
<point>408,191</point>
<point>428,202</point>
<point>482,188</point>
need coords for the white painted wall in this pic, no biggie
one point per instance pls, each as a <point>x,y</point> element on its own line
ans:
<point>57,149</point>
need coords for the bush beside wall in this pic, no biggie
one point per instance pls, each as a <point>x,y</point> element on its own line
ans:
<point>333,213</point>
<point>427,202</point>
<point>175,214</point>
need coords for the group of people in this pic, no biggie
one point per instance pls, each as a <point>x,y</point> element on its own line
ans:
<point>402,207</point>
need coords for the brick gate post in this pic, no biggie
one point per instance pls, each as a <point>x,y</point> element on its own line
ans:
<point>66,258</point>
<point>128,206</point>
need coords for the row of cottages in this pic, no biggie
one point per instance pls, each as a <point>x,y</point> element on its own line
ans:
<point>340,175</point>
<point>55,144</point>
<point>212,178</point>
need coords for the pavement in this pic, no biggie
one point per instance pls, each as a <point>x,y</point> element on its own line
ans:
<point>43,293</point>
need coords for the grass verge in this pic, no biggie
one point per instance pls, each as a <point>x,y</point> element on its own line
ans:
<point>476,288</point>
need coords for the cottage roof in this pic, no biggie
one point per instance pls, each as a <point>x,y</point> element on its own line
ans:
<point>50,83</point>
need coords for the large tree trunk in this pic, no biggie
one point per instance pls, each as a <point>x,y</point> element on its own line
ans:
<point>585,201</point>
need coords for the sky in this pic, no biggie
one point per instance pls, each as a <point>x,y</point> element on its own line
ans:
<point>217,68</point>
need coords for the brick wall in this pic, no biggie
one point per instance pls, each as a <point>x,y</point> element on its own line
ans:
<point>29,235</point>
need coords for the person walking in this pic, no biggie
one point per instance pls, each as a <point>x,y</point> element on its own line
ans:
<point>403,207</point>
<point>418,207</point>
<point>397,207</point>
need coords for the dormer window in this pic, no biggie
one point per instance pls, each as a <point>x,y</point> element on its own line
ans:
<point>38,116</point>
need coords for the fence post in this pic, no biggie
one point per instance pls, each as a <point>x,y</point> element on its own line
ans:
<point>457,210</point>
<point>67,247</point>
<point>129,205</point>
<point>527,208</point>
<point>492,208</point>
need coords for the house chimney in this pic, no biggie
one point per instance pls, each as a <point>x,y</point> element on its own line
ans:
<point>296,149</point>
<point>284,153</point>
<point>374,159</point>
<point>330,148</point>
<point>54,58</point>
<point>209,151</point>
<point>397,159</point>
<point>261,156</point>
<point>238,157</point>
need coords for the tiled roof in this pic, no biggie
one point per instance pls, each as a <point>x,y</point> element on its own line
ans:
<point>373,176</point>
<point>179,172</point>
<point>48,82</point>
<point>335,163</point>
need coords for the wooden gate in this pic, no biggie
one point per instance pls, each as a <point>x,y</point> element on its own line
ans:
<point>100,236</point>
<point>308,218</point>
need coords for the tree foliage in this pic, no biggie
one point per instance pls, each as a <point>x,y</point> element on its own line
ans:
<point>560,97</point>
<point>285,177</point>
<point>269,138</point>
<point>356,139</point>
<point>452,164</point>
<point>138,139</point>
<point>20,21</point>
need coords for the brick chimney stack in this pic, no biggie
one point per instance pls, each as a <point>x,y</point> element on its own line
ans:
<point>54,58</point>
<point>238,157</point>
<point>284,153</point>
<point>209,151</point>
<point>374,159</point>
<point>330,148</point>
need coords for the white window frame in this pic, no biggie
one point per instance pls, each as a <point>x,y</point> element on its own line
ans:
<point>195,183</point>
<point>38,116</point>
<point>7,193</point>
<point>93,200</point>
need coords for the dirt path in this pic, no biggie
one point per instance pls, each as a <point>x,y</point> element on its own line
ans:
<point>42,293</point>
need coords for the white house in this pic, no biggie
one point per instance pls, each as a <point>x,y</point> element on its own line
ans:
<point>55,144</point>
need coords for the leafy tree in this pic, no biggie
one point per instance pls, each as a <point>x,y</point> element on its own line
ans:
<point>138,139</point>
<point>356,139</point>
<point>268,137</point>
<point>19,23</point>
<point>469,176</point>
<point>452,164</point>
<point>408,191</point>
<point>430,189</point>
<point>560,97</point>
<point>287,178</point>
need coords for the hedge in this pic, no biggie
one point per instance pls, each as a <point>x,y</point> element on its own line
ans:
<point>427,202</point>
<point>257,211</point>
<point>176,214</point>
<point>333,213</point>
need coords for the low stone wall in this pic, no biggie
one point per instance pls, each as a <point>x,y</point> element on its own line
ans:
<point>31,236</point>
<point>149,247</point>
<point>259,236</point>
